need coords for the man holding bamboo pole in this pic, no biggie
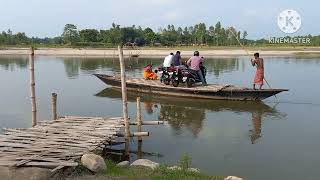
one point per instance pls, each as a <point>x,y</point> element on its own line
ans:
<point>259,77</point>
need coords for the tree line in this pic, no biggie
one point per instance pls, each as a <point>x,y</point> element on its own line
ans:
<point>199,34</point>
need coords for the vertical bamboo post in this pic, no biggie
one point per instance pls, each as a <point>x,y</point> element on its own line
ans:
<point>127,149</point>
<point>54,106</point>
<point>139,150</point>
<point>32,88</point>
<point>139,128</point>
<point>124,102</point>
<point>139,121</point>
<point>124,93</point>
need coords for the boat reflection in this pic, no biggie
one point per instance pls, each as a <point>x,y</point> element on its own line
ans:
<point>190,114</point>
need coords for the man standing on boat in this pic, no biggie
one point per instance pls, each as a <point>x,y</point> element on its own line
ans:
<point>259,77</point>
<point>194,63</point>
<point>168,61</point>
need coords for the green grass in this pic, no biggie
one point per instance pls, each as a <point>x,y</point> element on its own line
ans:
<point>137,173</point>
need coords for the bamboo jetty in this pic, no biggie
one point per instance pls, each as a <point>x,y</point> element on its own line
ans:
<point>58,143</point>
<point>62,141</point>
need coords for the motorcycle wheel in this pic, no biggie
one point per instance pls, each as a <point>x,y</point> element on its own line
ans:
<point>190,82</point>
<point>166,81</point>
<point>175,83</point>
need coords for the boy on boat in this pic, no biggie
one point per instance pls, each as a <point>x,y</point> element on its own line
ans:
<point>148,74</point>
<point>259,77</point>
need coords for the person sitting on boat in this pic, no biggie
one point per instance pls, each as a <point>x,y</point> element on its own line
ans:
<point>194,63</point>
<point>167,63</point>
<point>148,74</point>
<point>176,60</point>
<point>259,77</point>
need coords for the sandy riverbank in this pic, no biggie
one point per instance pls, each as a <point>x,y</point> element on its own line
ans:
<point>157,52</point>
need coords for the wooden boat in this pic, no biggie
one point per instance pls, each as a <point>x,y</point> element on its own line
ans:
<point>212,91</point>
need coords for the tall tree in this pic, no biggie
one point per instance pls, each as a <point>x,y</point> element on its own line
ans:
<point>211,34</point>
<point>70,34</point>
<point>89,35</point>
<point>218,32</point>
<point>149,36</point>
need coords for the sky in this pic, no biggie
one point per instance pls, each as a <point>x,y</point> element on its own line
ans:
<point>46,18</point>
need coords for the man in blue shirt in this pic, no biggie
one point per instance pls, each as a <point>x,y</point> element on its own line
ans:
<point>176,60</point>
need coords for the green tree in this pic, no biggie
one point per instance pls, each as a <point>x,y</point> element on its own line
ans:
<point>186,36</point>
<point>149,36</point>
<point>244,35</point>
<point>218,32</point>
<point>70,34</point>
<point>21,38</point>
<point>200,31</point>
<point>89,35</point>
<point>211,35</point>
<point>115,36</point>
<point>128,34</point>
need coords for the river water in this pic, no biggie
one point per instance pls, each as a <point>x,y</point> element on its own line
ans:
<point>253,140</point>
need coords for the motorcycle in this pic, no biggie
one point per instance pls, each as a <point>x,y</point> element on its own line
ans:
<point>165,75</point>
<point>180,75</point>
<point>188,76</point>
<point>193,77</point>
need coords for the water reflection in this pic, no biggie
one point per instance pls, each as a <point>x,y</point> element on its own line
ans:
<point>183,113</point>
<point>182,116</point>
<point>13,62</point>
<point>255,133</point>
<point>222,65</point>
<point>74,66</point>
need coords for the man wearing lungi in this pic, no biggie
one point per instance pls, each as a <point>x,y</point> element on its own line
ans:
<point>259,77</point>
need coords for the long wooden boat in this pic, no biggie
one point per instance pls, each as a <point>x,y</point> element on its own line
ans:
<point>212,91</point>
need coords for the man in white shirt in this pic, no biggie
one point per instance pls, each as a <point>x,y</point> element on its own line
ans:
<point>168,61</point>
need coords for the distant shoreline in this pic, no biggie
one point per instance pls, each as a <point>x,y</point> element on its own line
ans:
<point>162,52</point>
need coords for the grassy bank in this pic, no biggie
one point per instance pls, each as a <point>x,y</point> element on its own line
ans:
<point>138,173</point>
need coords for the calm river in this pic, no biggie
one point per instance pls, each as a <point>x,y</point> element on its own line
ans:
<point>252,140</point>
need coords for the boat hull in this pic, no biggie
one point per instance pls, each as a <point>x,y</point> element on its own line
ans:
<point>228,93</point>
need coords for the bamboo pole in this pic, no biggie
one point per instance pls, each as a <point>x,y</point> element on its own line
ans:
<point>139,128</point>
<point>147,123</point>
<point>139,121</point>
<point>134,134</point>
<point>54,106</point>
<point>139,153</point>
<point>127,149</point>
<point>32,88</point>
<point>124,93</point>
<point>140,134</point>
